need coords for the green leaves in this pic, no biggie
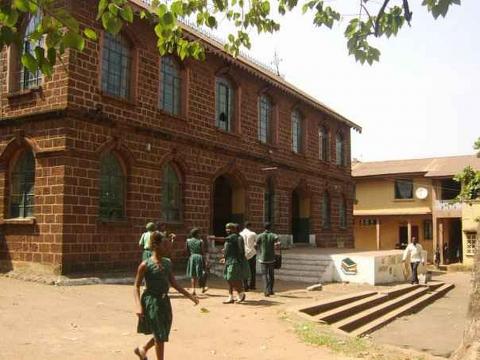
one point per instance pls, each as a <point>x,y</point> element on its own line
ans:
<point>74,41</point>
<point>25,6</point>
<point>439,7</point>
<point>59,30</point>
<point>29,62</point>
<point>90,34</point>
<point>470,180</point>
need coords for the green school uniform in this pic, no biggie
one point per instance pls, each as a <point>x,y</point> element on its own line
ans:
<point>236,265</point>
<point>157,310</point>
<point>146,244</point>
<point>266,242</point>
<point>195,260</point>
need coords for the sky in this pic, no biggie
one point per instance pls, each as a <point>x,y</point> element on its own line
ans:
<point>419,101</point>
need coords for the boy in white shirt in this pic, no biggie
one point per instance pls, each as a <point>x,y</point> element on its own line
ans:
<point>416,256</point>
<point>250,241</point>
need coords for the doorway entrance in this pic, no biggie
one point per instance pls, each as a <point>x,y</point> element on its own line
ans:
<point>403,235</point>
<point>228,203</point>
<point>300,217</point>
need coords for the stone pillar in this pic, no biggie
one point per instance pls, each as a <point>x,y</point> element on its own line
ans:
<point>440,238</point>
<point>409,229</point>
<point>378,234</point>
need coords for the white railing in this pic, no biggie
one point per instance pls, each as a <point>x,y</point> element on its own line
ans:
<point>447,205</point>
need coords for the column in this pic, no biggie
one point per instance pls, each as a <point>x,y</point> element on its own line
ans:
<point>440,238</point>
<point>409,229</point>
<point>378,233</point>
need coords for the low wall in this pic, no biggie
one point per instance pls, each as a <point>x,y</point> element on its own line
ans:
<point>372,267</point>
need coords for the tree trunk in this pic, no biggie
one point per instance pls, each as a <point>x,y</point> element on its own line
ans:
<point>470,347</point>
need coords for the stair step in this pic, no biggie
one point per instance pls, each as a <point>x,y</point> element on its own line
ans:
<point>353,322</point>
<point>349,309</point>
<point>403,310</point>
<point>399,290</point>
<point>296,278</point>
<point>352,308</point>
<point>304,266</point>
<point>292,272</point>
<point>435,285</point>
<point>328,304</point>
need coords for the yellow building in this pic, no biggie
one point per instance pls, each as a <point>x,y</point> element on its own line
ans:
<point>400,199</point>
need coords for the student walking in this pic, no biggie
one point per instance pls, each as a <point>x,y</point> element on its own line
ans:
<point>416,256</point>
<point>195,264</point>
<point>154,310</point>
<point>266,243</point>
<point>235,271</point>
<point>250,240</point>
<point>145,241</point>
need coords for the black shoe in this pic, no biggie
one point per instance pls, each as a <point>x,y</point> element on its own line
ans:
<point>266,294</point>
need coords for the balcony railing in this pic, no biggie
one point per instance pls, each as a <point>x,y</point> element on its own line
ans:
<point>447,206</point>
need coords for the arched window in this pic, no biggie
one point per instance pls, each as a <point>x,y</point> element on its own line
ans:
<point>116,66</point>
<point>342,209</point>
<point>171,195</point>
<point>22,183</point>
<point>28,79</point>
<point>112,188</point>
<point>326,210</point>
<point>323,143</point>
<point>269,202</point>
<point>264,119</point>
<point>224,104</point>
<point>340,150</point>
<point>170,86</point>
<point>297,124</point>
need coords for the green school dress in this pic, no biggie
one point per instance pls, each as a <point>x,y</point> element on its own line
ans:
<point>236,265</point>
<point>195,261</point>
<point>157,310</point>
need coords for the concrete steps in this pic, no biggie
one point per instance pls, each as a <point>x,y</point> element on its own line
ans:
<point>362,313</point>
<point>302,268</point>
<point>327,304</point>
<point>408,308</point>
<point>359,319</point>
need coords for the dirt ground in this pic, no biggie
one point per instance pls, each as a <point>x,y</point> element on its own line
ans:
<point>98,322</point>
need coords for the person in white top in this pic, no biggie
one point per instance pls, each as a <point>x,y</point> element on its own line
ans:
<point>416,256</point>
<point>250,240</point>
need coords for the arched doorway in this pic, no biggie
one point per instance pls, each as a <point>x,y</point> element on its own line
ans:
<point>228,203</point>
<point>300,217</point>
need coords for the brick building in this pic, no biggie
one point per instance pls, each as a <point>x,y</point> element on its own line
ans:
<point>119,136</point>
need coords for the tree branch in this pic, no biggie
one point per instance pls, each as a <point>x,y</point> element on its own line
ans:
<point>381,12</point>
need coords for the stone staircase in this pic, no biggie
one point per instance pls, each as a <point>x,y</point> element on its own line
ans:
<point>362,313</point>
<point>305,268</point>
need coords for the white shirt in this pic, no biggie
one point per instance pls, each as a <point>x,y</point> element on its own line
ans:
<point>415,253</point>
<point>250,240</point>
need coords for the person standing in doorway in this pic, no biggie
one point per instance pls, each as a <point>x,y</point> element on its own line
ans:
<point>267,242</point>
<point>416,256</point>
<point>250,240</point>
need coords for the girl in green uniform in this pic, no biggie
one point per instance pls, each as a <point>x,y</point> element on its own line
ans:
<point>145,241</point>
<point>236,267</point>
<point>195,264</point>
<point>153,308</point>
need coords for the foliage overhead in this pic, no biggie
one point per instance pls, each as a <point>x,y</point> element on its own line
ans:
<point>470,180</point>
<point>62,31</point>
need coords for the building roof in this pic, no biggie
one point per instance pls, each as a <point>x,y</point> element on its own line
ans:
<point>430,167</point>
<point>247,63</point>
